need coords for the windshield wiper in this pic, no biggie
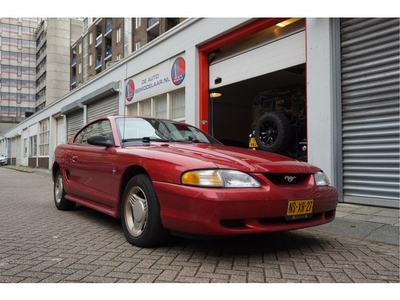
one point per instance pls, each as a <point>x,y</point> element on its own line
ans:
<point>130,140</point>
<point>147,139</point>
<point>187,141</point>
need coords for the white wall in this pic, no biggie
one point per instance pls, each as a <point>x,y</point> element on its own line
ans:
<point>320,92</point>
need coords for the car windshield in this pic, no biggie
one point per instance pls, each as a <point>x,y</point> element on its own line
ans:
<point>137,129</point>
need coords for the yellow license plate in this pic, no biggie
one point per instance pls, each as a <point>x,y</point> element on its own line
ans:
<point>299,207</point>
<point>253,143</point>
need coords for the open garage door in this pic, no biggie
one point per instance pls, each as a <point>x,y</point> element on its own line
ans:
<point>242,71</point>
<point>279,54</point>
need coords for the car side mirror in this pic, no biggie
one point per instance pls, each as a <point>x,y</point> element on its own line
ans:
<point>99,140</point>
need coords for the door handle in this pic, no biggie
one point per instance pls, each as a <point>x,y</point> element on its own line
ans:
<point>74,158</point>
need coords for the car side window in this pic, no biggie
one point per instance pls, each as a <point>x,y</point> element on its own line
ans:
<point>102,127</point>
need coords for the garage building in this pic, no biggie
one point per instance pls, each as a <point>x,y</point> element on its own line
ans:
<point>343,73</point>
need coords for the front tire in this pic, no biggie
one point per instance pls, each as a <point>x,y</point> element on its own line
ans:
<point>140,214</point>
<point>59,194</point>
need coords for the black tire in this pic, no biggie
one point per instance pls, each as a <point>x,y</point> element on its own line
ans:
<point>59,194</point>
<point>273,132</point>
<point>140,214</point>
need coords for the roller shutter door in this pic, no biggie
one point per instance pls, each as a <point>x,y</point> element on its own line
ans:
<point>102,107</point>
<point>370,111</point>
<point>74,122</point>
<point>60,131</point>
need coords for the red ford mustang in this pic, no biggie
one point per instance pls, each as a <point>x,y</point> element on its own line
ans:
<point>162,177</point>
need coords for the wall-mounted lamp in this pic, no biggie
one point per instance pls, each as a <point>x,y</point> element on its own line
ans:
<point>215,94</point>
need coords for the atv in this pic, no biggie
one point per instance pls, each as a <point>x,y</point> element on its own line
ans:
<point>279,122</point>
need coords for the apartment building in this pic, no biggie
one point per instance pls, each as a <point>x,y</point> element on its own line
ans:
<point>17,69</point>
<point>35,64</point>
<point>54,37</point>
<point>107,40</point>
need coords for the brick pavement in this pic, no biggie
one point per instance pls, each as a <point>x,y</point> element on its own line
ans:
<point>38,243</point>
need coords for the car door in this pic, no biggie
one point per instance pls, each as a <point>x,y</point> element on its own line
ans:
<point>91,170</point>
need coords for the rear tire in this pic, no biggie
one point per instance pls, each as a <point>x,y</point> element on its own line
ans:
<point>140,214</point>
<point>59,194</point>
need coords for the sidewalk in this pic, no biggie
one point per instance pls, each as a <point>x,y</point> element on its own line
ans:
<point>374,223</point>
<point>42,171</point>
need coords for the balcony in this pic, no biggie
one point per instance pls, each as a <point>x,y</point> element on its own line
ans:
<point>108,54</point>
<point>73,80</point>
<point>99,40</point>
<point>73,63</point>
<point>108,30</point>
<point>152,22</point>
<point>153,28</point>
<point>97,64</point>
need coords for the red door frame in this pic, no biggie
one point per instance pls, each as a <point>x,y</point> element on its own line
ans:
<point>206,49</point>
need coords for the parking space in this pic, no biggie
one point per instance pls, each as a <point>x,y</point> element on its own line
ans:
<point>38,243</point>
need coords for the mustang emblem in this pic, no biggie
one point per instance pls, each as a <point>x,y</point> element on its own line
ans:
<point>290,178</point>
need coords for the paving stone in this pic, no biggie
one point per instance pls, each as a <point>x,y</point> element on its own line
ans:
<point>89,247</point>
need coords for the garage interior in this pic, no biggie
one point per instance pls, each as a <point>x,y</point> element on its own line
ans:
<point>232,111</point>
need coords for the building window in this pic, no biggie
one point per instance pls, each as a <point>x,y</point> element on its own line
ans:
<point>79,68</point>
<point>138,22</point>
<point>145,108</point>
<point>33,146</point>
<point>118,35</point>
<point>160,106</point>
<point>44,138</point>
<point>90,38</point>
<point>169,106</point>
<point>137,46</point>
<point>178,105</point>
<point>80,48</point>
<point>90,59</point>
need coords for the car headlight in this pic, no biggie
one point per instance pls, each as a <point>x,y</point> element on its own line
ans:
<point>219,178</point>
<point>321,179</point>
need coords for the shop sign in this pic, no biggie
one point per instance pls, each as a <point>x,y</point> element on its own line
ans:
<point>160,79</point>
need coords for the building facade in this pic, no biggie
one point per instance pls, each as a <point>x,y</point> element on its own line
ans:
<point>54,37</point>
<point>105,41</point>
<point>349,68</point>
<point>17,69</point>
<point>35,64</point>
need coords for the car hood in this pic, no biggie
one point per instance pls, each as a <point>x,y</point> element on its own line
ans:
<point>198,155</point>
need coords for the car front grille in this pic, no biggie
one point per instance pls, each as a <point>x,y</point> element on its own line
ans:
<point>287,179</point>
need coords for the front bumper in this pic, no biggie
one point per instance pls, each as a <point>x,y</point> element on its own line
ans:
<point>223,211</point>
